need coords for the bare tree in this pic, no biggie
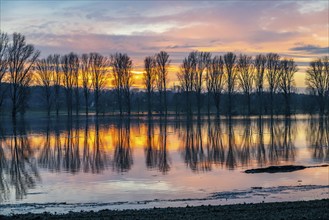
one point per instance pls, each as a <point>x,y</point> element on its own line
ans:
<point>98,65</point>
<point>149,80</point>
<point>21,57</point>
<point>121,66</point>
<point>57,79</point>
<point>260,65</point>
<point>44,76</point>
<point>287,82</point>
<point>317,81</point>
<point>69,63</point>
<point>185,77</point>
<point>162,60</point>
<point>215,81</point>
<point>325,61</point>
<point>85,73</point>
<point>272,75</point>
<point>202,66</point>
<point>74,66</point>
<point>246,77</point>
<point>3,63</point>
<point>231,77</point>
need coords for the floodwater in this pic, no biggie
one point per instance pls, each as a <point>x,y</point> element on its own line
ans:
<point>78,164</point>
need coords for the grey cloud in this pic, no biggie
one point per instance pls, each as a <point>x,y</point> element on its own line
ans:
<point>311,49</point>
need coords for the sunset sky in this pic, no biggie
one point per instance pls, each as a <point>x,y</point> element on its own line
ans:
<point>297,29</point>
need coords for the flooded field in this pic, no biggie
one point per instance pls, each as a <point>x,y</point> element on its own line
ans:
<point>79,163</point>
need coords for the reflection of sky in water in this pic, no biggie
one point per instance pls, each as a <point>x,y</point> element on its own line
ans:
<point>110,161</point>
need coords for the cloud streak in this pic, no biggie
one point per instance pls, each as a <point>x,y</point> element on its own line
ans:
<point>141,28</point>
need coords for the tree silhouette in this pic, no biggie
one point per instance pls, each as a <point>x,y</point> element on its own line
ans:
<point>260,65</point>
<point>185,77</point>
<point>201,67</point>
<point>287,82</point>
<point>215,80</point>
<point>86,78</point>
<point>121,66</point>
<point>317,81</point>
<point>57,79</point>
<point>3,63</point>
<point>21,57</point>
<point>272,75</point>
<point>245,68</point>
<point>149,80</point>
<point>162,64</point>
<point>44,69</point>
<point>98,66</point>
<point>231,78</point>
<point>70,65</point>
<point>74,66</point>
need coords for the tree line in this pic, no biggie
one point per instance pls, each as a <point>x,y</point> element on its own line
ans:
<point>203,81</point>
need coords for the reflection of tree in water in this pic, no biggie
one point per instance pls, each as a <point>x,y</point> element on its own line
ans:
<point>94,158</point>
<point>317,137</point>
<point>4,190</point>
<point>163,163</point>
<point>71,156</point>
<point>68,152</point>
<point>231,151</point>
<point>150,150</point>
<point>156,151</point>
<point>281,147</point>
<point>246,146</point>
<point>123,159</point>
<point>48,157</point>
<point>215,143</point>
<point>260,146</point>
<point>20,164</point>
<point>194,154</point>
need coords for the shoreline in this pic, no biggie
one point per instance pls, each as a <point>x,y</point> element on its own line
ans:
<point>313,209</point>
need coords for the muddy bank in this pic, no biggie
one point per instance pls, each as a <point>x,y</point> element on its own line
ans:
<point>317,209</point>
<point>282,169</point>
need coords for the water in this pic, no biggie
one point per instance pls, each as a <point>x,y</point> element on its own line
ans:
<point>62,165</point>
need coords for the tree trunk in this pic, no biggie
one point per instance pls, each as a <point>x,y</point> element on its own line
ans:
<point>86,103</point>
<point>249,106</point>
<point>149,112</point>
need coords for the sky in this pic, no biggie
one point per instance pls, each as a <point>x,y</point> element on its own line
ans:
<point>294,29</point>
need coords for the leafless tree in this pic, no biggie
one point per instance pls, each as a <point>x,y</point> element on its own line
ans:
<point>44,76</point>
<point>215,81</point>
<point>21,57</point>
<point>287,82</point>
<point>121,66</point>
<point>57,80</point>
<point>202,66</point>
<point>317,80</point>
<point>246,77</point>
<point>69,65</point>
<point>98,67</point>
<point>272,75</point>
<point>86,78</point>
<point>74,66</point>
<point>185,77</point>
<point>260,65</point>
<point>231,77</point>
<point>162,61</point>
<point>149,80</point>
<point>3,63</point>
